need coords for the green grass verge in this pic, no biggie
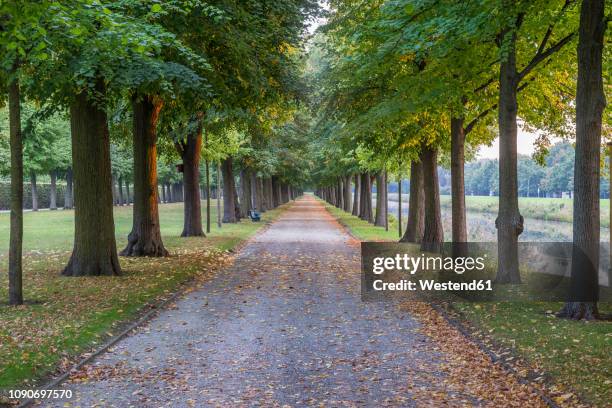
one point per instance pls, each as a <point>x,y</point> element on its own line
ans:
<point>575,354</point>
<point>65,317</point>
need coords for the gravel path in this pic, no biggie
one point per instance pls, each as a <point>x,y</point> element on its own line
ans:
<point>283,326</point>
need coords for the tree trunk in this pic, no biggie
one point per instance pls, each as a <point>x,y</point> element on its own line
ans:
<point>254,194</point>
<point>260,195</point>
<point>114,189</point>
<point>68,195</point>
<point>459,228</point>
<point>164,197</point>
<point>246,190</point>
<point>53,191</point>
<point>365,200</point>
<point>340,193</point>
<point>356,195</point>
<point>416,205</point>
<point>145,238</point>
<point>34,191</point>
<point>128,198</point>
<point>95,249</point>
<point>433,234</point>
<point>346,184</point>
<point>276,191</point>
<point>120,191</point>
<point>229,206</point>
<point>207,195</point>
<point>509,221</point>
<point>219,183</point>
<point>590,103</point>
<point>269,191</point>
<point>236,204</point>
<point>192,209</point>
<point>381,197</point>
<point>15,268</point>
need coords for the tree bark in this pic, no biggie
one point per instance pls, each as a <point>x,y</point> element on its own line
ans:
<point>68,195</point>
<point>15,267</point>
<point>268,192</point>
<point>356,195</point>
<point>128,198</point>
<point>246,190</point>
<point>459,228</point>
<point>590,103</point>
<point>509,221</point>
<point>120,191</point>
<point>365,213</point>
<point>192,209</point>
<point>95,249</point>
<point>346,184</point>
<point>433,234</point>
<point>416,205</point>
<point>34,188</point>
<point>381,197</point>
<point>207,196</point>
<point>145,238</point>
<point>53,191</point>
<point>229,205</point>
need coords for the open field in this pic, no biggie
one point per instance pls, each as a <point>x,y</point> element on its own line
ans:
<point>574,353</point>
<point>64,317</point>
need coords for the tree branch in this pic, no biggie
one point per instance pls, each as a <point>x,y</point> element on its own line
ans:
<point>541,56</point>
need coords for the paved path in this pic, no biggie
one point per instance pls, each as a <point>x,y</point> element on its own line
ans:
<point>284,325</point>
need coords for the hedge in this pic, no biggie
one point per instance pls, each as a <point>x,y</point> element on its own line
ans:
<point>43,195</point>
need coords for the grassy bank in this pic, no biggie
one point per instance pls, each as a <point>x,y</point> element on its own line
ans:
<point>575,354</point>
<point>548,209</point>
<point>68,316</point>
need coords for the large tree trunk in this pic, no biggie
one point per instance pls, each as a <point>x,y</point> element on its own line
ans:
<point>229,205</point>
<point>256,197</point>
<point>68,195</point>
<point>365,212</point>
<point>509,221</point>
<point>95,249</point>
<point>192,209</point>
<point>267,187</point>
<point>246,190</point>
<point>53,191</point>
<point>339,193</point>
<point>114,189</point>
<point>416,205</point>
<point>433,234</point>
<point>590,103</point>
<point>145,238</point>
<point>346,184</point>
<point>15,269</point>
<point>459,228</point>
<point>381,198</point>
<point>356,195</point>
<point>34,188</point>
<point>236,204</point>
<point>275,191</point>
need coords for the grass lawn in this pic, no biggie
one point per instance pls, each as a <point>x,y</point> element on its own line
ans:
<point>65,317</point>
<point>575,354</point>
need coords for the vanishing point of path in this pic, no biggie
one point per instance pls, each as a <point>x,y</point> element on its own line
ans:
<point>283,326</point>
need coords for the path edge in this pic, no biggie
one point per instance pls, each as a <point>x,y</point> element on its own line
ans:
<point>154,308</point>
<point>461,326</point>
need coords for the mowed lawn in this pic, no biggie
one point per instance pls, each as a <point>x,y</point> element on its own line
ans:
<point>64,317</point>
<point>575,354</point>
